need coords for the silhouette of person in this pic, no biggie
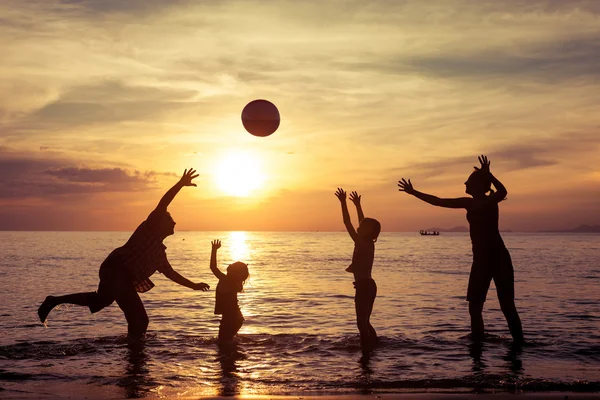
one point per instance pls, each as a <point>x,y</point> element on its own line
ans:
<point>226,302</point>
<point>362,263</point>
<point>491,259</point>
<point>127,269</point>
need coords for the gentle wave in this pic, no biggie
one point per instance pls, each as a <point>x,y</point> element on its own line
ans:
<point>300,333</point>
<point>303,347</point>
<point>269,344</point>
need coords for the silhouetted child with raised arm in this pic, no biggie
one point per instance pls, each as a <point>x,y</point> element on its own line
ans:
<point>491,259</point>
<point>362,263</point>
<point>229,286</point>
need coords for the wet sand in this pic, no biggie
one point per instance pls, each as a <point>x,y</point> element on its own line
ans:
<point>95,395</point>
<point>441,396</point>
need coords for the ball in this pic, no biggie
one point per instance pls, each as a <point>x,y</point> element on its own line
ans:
<point>260,118</point>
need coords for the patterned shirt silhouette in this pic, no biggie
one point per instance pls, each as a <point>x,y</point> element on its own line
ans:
<point>144,253</point>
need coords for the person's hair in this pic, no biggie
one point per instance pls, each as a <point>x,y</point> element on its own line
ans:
<point>481,180</point>
<point>239,272</point>
<point>374,225</point>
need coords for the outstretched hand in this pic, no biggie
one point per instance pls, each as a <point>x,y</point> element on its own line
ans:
<point>188,175</point>
<point>201,286</point>
<point>406,186</point>
<point>485,164</point>
<point>355,198</point>
<point>340,194</point>
<point>216,244</point>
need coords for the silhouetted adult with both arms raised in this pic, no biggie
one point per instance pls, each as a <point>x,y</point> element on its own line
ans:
<point>126,271</point>
<point>491,259</point>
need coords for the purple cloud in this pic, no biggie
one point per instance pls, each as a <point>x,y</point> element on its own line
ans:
<point>25,176</point>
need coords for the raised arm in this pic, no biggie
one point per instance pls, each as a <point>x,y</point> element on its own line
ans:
<point>461,202</point>
<point>186,180</point>
<point>355,198</point>
<point>341,195</point>
<point>501,191</point>
<point>216,245</point>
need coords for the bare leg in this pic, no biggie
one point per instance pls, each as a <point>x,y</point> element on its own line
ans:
<point>363,303</point>
<point>135,313</point>
<point>229,327</point>
<point>238,324</point>
<point>368,336</point>
<point>512,318</point>
<point>363,329</point>
<point>373,339</point>
<point>477,328</point>
<point>80,299</point>
<point>373,334</point>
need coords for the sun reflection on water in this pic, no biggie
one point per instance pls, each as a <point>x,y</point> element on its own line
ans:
<point>238,248</point>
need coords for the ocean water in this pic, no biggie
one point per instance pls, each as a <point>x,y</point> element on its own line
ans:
<point>299,335</point>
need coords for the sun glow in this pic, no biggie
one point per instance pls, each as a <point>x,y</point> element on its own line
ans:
<point>239,174</point>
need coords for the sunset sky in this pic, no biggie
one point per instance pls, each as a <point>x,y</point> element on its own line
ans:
<point>104,103</point>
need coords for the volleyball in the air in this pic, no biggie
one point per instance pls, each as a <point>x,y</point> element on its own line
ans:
<point>260,117</point>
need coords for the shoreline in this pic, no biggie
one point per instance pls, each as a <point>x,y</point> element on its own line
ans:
<point>92,392</point>
<point>20,395</point>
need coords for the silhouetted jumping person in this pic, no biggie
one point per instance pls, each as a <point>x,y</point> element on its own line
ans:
<point>362,263</point>
<point>126,271</point>
<point>226,302</point>
<point>491,259</point>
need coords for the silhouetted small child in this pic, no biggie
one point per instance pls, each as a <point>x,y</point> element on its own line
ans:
<point>362,264</point>
<point>229,286</point>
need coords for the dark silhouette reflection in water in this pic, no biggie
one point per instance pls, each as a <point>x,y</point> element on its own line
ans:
<point>364,381</point>
<point>513,359</point>
<point>136,381</point>
<point>514,365</point>
<point>476,351</point>
<point>227,356</point>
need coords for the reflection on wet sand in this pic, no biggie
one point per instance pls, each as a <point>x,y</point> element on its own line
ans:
<point>228,355</point>
<point>513,364</point>
<point>136,381</point>
<point>364,376</point>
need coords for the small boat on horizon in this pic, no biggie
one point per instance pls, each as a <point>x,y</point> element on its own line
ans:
<point>427,233</point>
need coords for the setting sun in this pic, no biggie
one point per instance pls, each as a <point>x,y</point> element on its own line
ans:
<point>238,174</point>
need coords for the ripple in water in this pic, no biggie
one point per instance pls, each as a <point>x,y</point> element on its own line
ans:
<point>299,335</point>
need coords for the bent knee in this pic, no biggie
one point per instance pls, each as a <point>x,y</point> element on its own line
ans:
<point>144,321</point>
<point>98,302</point>
<point>139,323</point>
<point>362,325</point>
<point>508,304</point>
